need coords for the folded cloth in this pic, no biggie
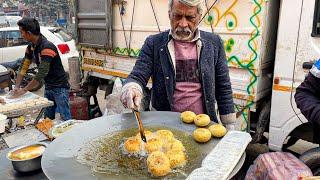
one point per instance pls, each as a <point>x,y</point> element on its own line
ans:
<point>277,165</point>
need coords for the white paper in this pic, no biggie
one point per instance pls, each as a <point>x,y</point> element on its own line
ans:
<point>23,137</point>
<point>220,162</point>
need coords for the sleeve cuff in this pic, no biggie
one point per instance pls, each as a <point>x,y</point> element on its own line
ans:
<point>228,118</point>
<point>132,85</point>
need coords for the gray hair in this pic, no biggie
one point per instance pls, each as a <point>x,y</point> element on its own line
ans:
<point>191,3</point>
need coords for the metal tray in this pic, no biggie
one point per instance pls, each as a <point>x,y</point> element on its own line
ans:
<point>59,161</point>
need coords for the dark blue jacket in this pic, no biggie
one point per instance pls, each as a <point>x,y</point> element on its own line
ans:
<point>308,98</point>
<point>154,61</point>
<point>308,101</point>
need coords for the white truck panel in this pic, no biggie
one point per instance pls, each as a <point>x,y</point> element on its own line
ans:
<point>293,48</point>
<point>306,52</point>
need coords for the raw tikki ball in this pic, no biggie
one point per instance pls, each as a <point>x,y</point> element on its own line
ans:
<point>217,130</point>
<point>202,120</point>
<point>202,135</point>
<point>188,116</point>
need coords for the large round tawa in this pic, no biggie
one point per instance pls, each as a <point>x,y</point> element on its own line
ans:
<point>59,159</point>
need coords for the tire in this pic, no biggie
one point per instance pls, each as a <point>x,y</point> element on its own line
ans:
<point>312,159</point>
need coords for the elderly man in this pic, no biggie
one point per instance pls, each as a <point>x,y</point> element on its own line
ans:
<point>308,99</point>
<point>188,68</point>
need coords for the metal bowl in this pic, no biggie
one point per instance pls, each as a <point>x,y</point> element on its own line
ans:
<point>28,165</point>
<point>58,161</point>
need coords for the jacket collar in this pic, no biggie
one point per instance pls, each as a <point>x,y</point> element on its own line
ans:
<point>41,37</point>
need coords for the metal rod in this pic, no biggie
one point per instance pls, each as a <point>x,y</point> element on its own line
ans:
<point>138,118</point>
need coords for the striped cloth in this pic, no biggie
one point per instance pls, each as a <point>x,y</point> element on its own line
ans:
<point>277,165</point>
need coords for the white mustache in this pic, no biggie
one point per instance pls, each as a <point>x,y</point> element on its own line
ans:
<point>183,30</point>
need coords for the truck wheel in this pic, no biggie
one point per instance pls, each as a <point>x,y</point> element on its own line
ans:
<point>312,159</point>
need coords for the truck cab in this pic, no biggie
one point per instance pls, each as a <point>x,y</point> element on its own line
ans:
<point>298,47</point>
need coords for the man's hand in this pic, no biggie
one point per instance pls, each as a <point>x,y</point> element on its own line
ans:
<point>17,92</point>
<point>131,96</point>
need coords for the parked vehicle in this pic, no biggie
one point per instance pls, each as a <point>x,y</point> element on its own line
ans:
<point>12,20</point>
<point>12,45</point>
<point>12,13</point>
<point>3,22</point>
<point>269,46</point>
<point>7,20</point>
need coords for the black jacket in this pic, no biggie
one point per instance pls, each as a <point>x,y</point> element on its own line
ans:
<point>46,51</point>
<point>308,98</point>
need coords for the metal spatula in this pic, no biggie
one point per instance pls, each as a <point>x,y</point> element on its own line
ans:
<point>138,118</point>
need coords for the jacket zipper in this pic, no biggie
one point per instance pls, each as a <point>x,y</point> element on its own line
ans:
<point>174,76</point>
<point>201,78</point>
<point>170,59</point>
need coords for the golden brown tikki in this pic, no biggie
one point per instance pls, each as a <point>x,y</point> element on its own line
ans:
<point>217,130</point>
<point>174,144</point>
<point>148,134</point>
<point>188,116</point>
<point>132,145</point>
<point>165,135</point>
<point>158,164</point>
<point>202,135</point>
<point>202,120</point>
<point>177,158</point>
<point>154,144</point>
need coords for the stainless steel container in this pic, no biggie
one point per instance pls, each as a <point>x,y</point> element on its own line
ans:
<point>29,164</point>
<point>74,73</point>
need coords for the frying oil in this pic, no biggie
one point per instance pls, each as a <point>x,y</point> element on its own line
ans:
<point>108,159</point>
